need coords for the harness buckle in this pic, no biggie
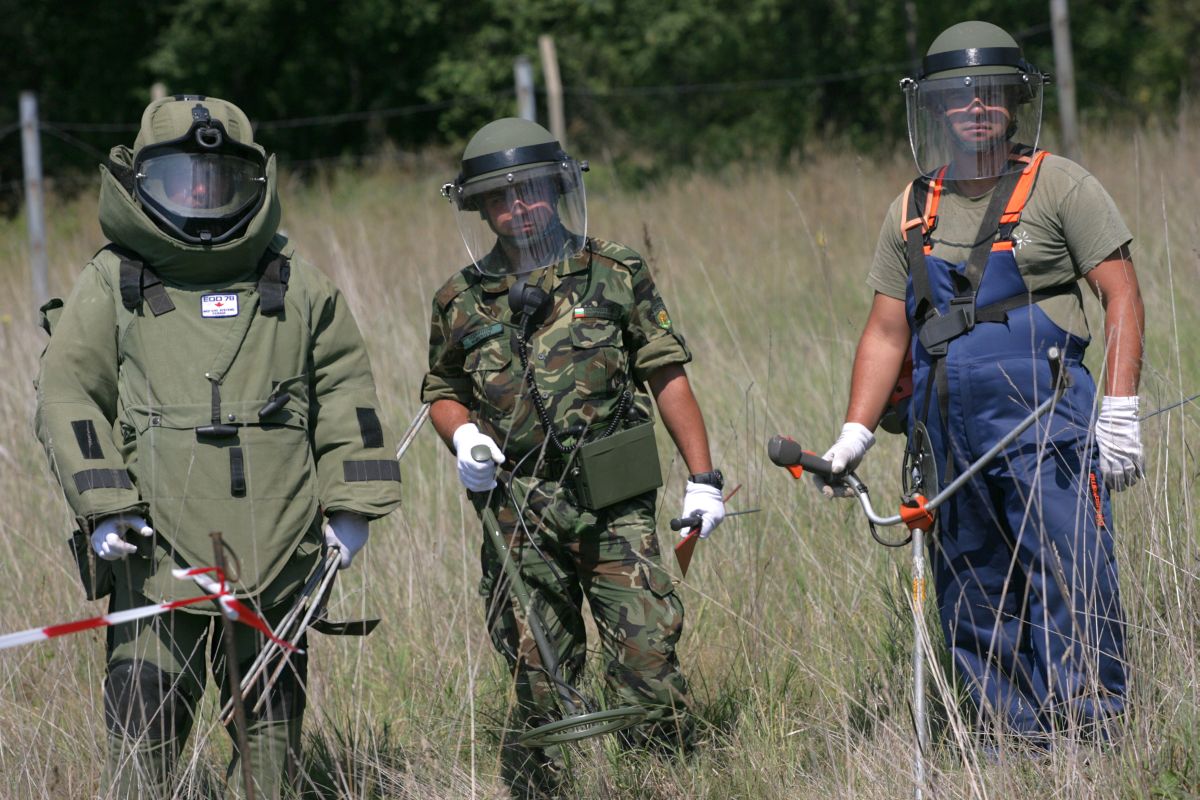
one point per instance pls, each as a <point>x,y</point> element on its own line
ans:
<point>936,334</point>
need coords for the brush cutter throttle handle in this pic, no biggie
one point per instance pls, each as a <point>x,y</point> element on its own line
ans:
<point>787,453</point>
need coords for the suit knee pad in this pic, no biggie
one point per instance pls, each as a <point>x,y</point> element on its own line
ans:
<point>142,701</point>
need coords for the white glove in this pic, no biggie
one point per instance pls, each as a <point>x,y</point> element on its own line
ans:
<point>108,537</point>
<point>346,531</point>
<point>1120,440</point>
<point>705,500</point>
<point>477,476</point>
<point>851,445</point>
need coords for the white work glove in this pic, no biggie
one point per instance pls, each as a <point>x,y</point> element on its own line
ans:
<point>851,445</point>
<point>108,537</point>
<point>705,500</point>
<point>1120,439</point>
<point>477,476</point>
<point>346,531</point>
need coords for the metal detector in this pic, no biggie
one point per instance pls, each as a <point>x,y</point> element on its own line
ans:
<point>580,721</point>
<point>918,478</point>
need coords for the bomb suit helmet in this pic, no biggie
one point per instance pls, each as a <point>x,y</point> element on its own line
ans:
<point>519,199</point>
<point>975,103</point>
<point>197,172</point>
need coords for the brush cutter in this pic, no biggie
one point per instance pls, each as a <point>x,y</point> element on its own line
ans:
<point>579,721</point>
<point>916,512</point>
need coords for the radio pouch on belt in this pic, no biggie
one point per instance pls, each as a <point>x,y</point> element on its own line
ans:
<point>617,467</point>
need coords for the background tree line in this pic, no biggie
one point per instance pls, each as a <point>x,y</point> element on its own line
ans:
<point>650,83</point>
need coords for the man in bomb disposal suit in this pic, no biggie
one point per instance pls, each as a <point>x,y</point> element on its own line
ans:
<point>201,378</point>
<point>976,276</point>
<point>540,350</point>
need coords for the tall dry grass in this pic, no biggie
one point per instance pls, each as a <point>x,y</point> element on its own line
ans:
<point>797,635</point>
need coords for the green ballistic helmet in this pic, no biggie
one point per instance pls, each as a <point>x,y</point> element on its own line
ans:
<point>519,198</point>
<point>975,107</point>
<point>197,172</point>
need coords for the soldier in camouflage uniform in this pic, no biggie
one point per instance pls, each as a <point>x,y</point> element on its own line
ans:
<point>200,378</point>
<point>595,335</point>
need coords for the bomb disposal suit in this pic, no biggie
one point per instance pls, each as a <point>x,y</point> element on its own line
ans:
<point>540,349</point>
<point>202,378</point>
<point>984,251</point>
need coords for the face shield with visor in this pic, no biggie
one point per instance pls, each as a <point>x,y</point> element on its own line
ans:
<point>513,222</point>
<point>204,187</point>
<point>974,124</point>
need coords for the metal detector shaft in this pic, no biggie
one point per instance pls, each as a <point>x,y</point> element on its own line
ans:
<point>491,525</point>
<point>549,659</point>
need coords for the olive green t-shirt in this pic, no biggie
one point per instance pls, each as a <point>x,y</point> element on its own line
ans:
<point>1068,226</point>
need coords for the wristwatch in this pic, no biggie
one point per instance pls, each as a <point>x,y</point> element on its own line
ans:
<point>714,478</point>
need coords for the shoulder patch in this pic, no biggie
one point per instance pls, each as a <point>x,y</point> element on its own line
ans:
<point>458,283</point>
<point>618,253</point>
<point>661,318</point>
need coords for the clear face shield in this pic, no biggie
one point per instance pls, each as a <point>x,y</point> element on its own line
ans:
<point>514,222</point>
<point>973,124</point>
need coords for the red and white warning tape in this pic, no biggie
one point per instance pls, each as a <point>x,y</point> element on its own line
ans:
<point>215,588</point>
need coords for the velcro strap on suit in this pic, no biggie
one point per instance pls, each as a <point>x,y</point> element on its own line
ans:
<point>237,472</point>
<point>384,469</point>
<point>139,281</point>
<point>101,479</point>
<point>273,283</point>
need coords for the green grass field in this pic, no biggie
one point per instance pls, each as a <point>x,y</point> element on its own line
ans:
<point>797,632</point>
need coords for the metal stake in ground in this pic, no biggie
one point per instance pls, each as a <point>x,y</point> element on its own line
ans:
<point>233,678</point>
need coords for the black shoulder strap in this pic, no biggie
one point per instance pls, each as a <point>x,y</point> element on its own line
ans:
<point>138,281</point>
<point>977,260</point>
<point>914,246</point>
<point>275,271</point>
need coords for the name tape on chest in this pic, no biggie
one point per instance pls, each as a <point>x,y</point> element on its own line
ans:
<point>219,305</point>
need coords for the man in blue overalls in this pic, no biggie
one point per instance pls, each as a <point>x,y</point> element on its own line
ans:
<point>976,276</point>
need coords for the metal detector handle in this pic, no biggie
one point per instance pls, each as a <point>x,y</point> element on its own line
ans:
<point>480,452</point>
<point>679,524</point>
<point>788,453</point>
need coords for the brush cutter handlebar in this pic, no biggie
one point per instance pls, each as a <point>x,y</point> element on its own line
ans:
<point>788,453</point>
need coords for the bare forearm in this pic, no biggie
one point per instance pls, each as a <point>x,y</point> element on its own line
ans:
<point>877,361</point>
<point>1115,283</point>
<point>681,414</point>
<point>447,416</point>
<point>1124,321</point>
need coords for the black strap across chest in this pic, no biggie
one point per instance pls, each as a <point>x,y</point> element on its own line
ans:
<point>139,281</point>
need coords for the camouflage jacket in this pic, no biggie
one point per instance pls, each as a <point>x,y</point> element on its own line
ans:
<point>608,329</point>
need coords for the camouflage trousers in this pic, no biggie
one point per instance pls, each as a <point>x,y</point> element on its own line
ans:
<point>612,558</point>
<point>154,683</point>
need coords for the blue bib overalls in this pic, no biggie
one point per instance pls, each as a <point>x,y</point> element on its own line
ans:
<point>1023,564</point>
